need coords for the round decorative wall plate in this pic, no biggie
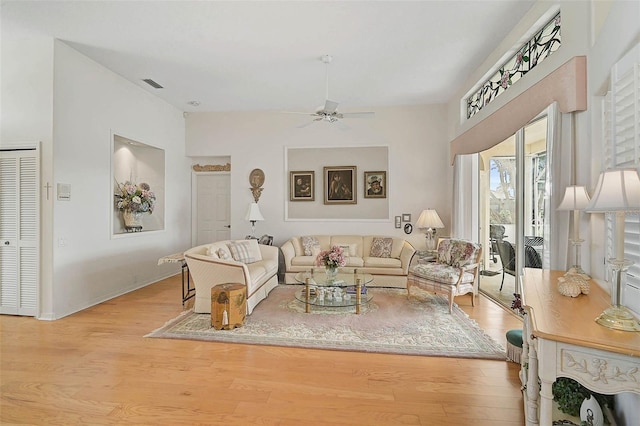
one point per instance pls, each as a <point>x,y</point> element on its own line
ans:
<point>408,228</point>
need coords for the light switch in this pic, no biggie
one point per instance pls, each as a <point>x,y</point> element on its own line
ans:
<point>64,192</point>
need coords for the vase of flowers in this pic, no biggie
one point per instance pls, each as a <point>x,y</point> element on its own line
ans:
<point>331,260</point>
<point>133,200</point>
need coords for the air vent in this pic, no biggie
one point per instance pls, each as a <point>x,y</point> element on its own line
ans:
<point>152,83</point>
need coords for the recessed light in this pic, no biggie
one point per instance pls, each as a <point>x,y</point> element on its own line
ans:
<point>194,103</point>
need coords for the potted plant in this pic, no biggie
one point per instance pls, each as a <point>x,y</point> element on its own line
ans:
<point>569,395</point>
<point>133,200</point>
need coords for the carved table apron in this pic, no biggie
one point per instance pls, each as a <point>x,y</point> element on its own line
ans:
<point>562,339</point>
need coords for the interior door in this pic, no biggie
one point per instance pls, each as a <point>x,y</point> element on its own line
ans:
<point>213,207</point>
<point>19,230</point>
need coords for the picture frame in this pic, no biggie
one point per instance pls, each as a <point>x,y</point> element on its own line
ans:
<point>375,184</point>
<point>398,222</point>
<point>302,186</point>
<point>340,185</point>
<point>406,217</point>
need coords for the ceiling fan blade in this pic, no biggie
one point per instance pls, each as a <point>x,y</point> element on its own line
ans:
<point>330,106</point>
<point>358,114</point>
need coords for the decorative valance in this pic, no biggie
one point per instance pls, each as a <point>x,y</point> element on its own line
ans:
<point>567,86</point>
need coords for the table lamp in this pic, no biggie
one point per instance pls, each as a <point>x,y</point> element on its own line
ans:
<point>617,190</point>
<point>576,199</point>
<point>430,220</point>
<point>253,215</point>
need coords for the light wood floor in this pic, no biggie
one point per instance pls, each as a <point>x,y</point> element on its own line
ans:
<point>95,368</point>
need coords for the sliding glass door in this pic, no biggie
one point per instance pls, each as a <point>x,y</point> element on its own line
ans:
<point>513,186</point>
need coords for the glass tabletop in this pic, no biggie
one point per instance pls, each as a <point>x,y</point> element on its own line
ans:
<point>342,279</point>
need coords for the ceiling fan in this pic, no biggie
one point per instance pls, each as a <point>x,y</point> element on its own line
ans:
<point>329,112</point>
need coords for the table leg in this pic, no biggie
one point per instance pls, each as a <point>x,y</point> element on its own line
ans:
<point>358,295</point>
<point>307,296</point>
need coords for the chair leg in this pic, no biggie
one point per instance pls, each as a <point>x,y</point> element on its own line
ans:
<point>473,299</point>
<point>450,303</point>
<point>502,283</point>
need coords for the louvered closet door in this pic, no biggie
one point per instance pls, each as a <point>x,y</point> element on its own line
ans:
<point>18,232</point>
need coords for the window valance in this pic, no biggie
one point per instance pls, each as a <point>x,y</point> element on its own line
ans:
<point>567,86</point>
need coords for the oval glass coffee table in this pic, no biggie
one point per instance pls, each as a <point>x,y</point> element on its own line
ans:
<point>346,289</point>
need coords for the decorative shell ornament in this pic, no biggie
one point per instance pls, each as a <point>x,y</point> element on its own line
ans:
<point>573,285</point>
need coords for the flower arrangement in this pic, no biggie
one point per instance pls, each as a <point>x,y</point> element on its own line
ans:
<point>135,198</point>
<point>331,258</point>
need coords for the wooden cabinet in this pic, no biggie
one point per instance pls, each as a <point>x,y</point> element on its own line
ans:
<point>562,339</point>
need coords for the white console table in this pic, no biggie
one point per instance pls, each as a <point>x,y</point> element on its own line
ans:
<point>562,339</point>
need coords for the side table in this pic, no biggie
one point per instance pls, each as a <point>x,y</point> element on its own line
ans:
<point>228,306</point>
<point>187,292</point>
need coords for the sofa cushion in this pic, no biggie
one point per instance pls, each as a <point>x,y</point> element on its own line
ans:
<point>382,262</point>
<point>351,244</point>
<point>308,243</point>
<point>441,273</point>
<point>223,254</point>
<point>241,251</point>
<point>381,247</point>
<point>303,261</point>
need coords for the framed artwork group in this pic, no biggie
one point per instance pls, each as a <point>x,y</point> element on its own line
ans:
<point>340,185</point>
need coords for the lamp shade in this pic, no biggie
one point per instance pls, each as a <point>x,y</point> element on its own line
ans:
<point>575,198</point>
<point>253,214</point>
<point>616,190</point>
<point>429,219</point>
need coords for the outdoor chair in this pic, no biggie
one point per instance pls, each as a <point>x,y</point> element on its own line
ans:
<point>508,258</point>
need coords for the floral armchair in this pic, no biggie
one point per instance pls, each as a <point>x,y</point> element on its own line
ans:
<point>454,273</point>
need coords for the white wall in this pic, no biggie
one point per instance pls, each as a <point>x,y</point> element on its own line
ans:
<point>419,172</point>
<point>91,103</point>
<point>53,94</point>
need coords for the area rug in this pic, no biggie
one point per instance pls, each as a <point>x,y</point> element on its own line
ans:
<point>391,323</point>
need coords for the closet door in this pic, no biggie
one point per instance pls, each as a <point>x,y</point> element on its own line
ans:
<point>19,232</point>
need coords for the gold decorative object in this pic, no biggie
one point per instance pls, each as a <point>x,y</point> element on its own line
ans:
<point>256,179</point>
<point>212,168</point>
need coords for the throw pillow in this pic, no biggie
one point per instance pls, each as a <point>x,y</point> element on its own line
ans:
<point>211,251</point>
<point>223,254</point>
<point>308,243</point>
<point>241,252</point>
<point>381,247</point>
<point>349,249</point>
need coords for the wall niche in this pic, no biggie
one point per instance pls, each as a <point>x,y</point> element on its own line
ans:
<point>138,183</point>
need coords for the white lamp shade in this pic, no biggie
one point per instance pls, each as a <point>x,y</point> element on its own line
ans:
<point>429,219</point>
<point>616,190</point>
<point>253,214</point>
<point>575,198</point>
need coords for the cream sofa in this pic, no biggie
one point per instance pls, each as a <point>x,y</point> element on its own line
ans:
<point>215,263</point>
<point>387,271</point>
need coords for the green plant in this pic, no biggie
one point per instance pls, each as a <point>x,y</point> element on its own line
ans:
<point>569,395</point>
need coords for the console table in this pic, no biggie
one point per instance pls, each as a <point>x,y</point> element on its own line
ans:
<point>187,291</point>
<point>562,339</point>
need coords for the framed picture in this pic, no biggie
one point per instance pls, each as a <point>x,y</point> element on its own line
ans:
<point>302,186</point>
<point>375,184</point>
<point>398,222</point>
<point>340,185</point>
<point>406,217</point>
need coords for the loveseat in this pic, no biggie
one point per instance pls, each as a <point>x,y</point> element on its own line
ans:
<point>386,258</point>
<point>242,261</point>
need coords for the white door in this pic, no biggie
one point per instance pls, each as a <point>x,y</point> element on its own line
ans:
<point>213,211</point>
<point>19,232</point>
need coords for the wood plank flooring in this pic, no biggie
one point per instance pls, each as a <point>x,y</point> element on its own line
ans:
<point>95,368</point>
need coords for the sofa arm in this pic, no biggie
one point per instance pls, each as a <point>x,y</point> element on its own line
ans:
<point>269,252</point>
<point>206,269</point>
<point>407,253</point>
<point>288,253</point>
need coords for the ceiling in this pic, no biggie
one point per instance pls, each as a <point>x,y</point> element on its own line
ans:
<point>241,56</point>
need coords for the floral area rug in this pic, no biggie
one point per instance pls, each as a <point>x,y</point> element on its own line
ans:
<point>391,323</point>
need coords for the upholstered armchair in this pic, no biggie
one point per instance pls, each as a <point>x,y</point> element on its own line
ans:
<point>454,273</point>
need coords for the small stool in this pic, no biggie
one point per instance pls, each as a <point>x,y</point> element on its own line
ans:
<point>514,345</point>
<point>228,306</point>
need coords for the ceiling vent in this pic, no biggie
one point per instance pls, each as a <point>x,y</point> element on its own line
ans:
<point>152,83</point>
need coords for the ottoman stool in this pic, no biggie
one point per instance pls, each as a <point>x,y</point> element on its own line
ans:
<point>514,345</point>
<point>228,306</point>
